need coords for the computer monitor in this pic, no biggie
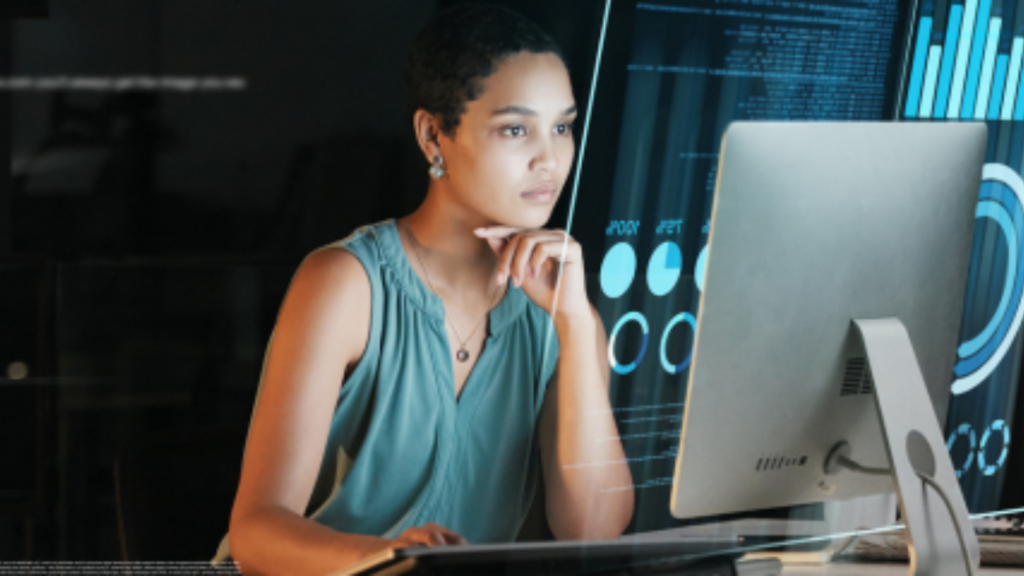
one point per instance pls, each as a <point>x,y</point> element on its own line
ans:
<point>817,227</point>
<point>672,75</point>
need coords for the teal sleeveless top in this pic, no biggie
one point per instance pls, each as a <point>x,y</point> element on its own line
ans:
<point>402,450</point>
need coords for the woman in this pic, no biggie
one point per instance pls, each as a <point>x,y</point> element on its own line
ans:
<point>434,369</point>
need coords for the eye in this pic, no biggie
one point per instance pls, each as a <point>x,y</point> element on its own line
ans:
<point>514,131</point>
<point>563,129</point>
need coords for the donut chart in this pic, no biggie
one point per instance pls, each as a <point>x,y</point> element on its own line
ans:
<point>988,469</point>
<point>1002,201</point>
<point>668,366</point>
<point>612,360</point>
<point>964,431</point>
<point>997,431</point>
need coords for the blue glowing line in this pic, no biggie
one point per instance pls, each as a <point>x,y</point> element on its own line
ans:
<point>931,76</point>
<point>948,58</point>
<point>917,72</point>
<point>579,167</point>
<point>988,69</point>
<point>974,69</point>
<point>963,54</point>
<point>998,85</point>
<point>1013,79</point>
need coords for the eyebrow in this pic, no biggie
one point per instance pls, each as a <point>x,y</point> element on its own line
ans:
<point>527,111</point>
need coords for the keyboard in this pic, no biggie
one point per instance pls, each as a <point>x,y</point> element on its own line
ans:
<point>1001,541</point>
<point>696,556</point>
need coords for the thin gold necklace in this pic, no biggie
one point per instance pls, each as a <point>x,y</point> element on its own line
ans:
<point>462,355</point>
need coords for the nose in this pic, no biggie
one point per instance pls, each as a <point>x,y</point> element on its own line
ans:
<point>545,158</point>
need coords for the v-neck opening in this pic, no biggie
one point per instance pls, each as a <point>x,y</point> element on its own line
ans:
<point>459,400</point>
<point>498,317</point>
<point>460,397</point>
<point>419,288</point>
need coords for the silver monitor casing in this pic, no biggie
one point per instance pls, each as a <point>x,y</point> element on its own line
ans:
<point>815,225</point>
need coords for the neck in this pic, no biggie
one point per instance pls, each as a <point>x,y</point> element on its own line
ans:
<point>457,260</point>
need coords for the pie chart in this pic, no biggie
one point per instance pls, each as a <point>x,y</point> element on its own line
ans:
<point>664,268</point>
<point>698,274</point>
<point>617,270</point>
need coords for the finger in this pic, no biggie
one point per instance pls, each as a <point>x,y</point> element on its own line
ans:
<point>435,534</point>
<point>550,247</point>
<point>415,537</point>
<point>553,252</point>
<point>426,536</point>
<point>449,536</point>
<point>522,258</point>
<point>408,540</point>
<point>455,539</point>
<point>537,261</point>
<point>525,258</point>
<point>505,258</point>
<point>497,231</point>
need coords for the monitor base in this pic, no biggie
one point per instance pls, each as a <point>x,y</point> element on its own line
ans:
<point>921,468</point>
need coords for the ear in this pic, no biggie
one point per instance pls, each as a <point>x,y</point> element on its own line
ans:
<point>428,133</point>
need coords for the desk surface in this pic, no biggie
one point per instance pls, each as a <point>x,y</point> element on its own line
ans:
<point>877,569</point>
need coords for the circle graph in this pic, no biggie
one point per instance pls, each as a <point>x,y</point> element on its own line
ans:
<point>618,270</point>
<point>1002,201</point>
<point>990,469</point>
<point>629,317</point>
<point>668,366</point>
<point>965,431</point>
<point>700,268</point>
<point>664,268</point>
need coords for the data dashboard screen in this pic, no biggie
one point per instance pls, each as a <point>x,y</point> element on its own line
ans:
<point>676,73</point>
<point>965,66</point>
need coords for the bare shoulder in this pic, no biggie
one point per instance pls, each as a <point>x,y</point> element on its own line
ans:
<point>333,270</point>
<point>331,295</point>
<point>321,332</point>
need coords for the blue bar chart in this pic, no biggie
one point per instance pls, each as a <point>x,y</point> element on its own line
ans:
<point>966,62</point>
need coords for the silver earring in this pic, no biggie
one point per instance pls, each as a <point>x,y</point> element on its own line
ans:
<point>436,169</point>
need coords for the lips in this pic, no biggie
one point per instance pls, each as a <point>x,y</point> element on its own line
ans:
<point>540,193</point>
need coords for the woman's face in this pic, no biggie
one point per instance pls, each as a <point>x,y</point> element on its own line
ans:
<point>512,151</point>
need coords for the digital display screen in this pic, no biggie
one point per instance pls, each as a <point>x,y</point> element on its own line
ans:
<point>678,72</point>
<point>965,65</point>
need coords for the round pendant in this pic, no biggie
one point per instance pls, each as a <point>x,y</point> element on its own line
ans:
<point>462,355</point>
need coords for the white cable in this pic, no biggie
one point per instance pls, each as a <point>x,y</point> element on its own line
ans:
<point>857,467</point>
<point>956,522</point>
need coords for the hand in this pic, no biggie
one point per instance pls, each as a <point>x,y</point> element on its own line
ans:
<point>428,535</point>
<point>530,258</point>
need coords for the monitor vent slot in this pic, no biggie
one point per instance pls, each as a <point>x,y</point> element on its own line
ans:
<point>778,462</point>
<point>857,378</point>
<point>853,377</point>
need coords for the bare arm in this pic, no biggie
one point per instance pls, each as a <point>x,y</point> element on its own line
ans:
<point>321,332</point>
<point>588,483</point>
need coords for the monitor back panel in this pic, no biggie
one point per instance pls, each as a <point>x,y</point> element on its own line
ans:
<point>816,224</point>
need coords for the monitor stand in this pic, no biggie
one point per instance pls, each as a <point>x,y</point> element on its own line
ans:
<point>914,443</point>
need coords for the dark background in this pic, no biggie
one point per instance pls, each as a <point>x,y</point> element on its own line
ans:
<point>147,239</point>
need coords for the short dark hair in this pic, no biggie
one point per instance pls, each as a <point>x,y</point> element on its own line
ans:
<point>459,47</point>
